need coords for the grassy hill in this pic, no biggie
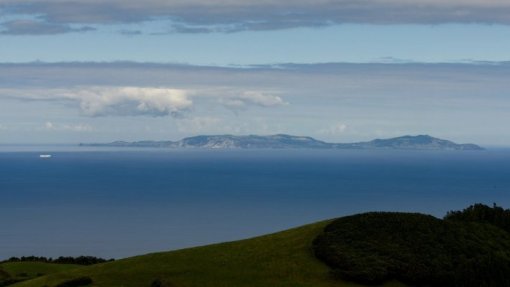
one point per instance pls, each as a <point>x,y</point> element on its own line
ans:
<point>469,248</point>
<point>283,259</point>
<point>20,271</point>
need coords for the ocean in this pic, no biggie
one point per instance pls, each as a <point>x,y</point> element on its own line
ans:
<point>118,203</point>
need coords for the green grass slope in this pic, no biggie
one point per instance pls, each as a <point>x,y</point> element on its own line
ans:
<point>20,271</point>
<point>283,259</point>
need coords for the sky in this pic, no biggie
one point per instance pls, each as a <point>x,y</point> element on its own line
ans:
<point>337,70</point>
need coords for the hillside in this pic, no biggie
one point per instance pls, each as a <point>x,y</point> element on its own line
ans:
<point>21,271</point>
<point>283,259</point>
<point>376,249</point>
<point>281,141</point>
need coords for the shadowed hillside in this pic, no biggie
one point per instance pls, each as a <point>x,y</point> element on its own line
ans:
<point>417,249</point>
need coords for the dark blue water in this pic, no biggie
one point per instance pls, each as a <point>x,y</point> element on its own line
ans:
<point>117,204</point>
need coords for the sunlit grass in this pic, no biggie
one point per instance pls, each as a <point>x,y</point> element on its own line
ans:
<point>283,259</point>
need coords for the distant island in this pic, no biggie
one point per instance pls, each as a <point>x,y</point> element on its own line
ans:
<point>282,141</point>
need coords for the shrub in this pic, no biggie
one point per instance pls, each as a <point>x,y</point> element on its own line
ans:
<point>80,260</point>
<point>494,215</point>
<point>416,249</point>
<point>159,283</point>
<point>82,281</point>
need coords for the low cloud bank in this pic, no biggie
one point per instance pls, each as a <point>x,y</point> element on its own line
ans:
<point>225,16</point>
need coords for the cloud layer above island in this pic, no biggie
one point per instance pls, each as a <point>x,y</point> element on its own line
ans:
<point>201,16</point>
<point>338,102</point>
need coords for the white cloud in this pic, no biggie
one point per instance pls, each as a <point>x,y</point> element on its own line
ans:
<point>251,98</point>
<point>67,127</point>
<point>120,101</point>
<point>99,101</point>
<point>132,101</point>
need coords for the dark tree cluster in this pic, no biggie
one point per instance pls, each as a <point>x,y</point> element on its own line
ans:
<point>495,215</point>
<point>80,260</point>
<point>416,249</point>
<point>9,281</point>
<point>160,283</point>
<point>77,282</point>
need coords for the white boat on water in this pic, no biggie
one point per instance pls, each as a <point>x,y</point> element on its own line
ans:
<point>45,156</point>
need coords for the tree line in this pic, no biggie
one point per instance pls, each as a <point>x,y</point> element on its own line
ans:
<point>481,213</point>
<point>80,260</point>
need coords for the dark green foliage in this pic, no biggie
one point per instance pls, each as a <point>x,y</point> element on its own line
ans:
<point>416,249</point>
<point>80,260</point>
<point>483,272</point>
<point>160,283</point>
<point>3,274</point>
<point>494,215</point>
<point>82,281</point>
<point>8,282</point>
<point>5,279</point>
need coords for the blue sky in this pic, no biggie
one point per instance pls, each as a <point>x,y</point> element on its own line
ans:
<point>342,43</point>
<point>337,70</point>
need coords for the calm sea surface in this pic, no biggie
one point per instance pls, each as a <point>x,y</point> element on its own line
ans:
<point>121,203</point>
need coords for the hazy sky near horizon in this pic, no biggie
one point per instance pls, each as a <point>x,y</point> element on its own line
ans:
<point>338,70</point>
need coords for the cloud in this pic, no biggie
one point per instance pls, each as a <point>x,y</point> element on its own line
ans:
<point>251,98</point>
<point>457,101</point>
<point>97,101</point>
<point>196,125</point>
<point>132,101</point>
<point>260,85</point>
<point>334,129</point>
<point>113,101</point>
<point>225,125</point>
<point>31,27</point>
<point>128,32</point>
<point>67,127</point>
<point>97,88</point>
<point>204,16</point>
